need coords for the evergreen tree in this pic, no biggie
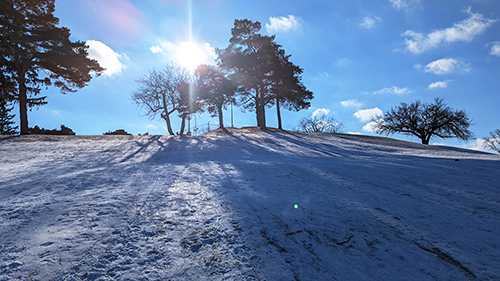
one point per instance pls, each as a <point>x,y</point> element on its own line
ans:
<point>6,122</point>
<point>263,70</point>
<point>35,52</point>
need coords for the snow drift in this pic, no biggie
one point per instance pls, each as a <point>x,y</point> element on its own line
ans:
<point>222,207</point>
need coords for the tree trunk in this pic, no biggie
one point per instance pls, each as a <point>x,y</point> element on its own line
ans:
<point>260,111</point>
<point>221,119</point>
<point>166,117</point>
<point>183,124</point>
<point>23,103</point>
<point>278,111</point>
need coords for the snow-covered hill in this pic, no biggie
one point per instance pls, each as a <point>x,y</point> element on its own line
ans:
<point>248,205</point>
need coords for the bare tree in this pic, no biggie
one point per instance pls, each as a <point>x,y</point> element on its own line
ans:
<point>159,93</point>
<point>322,124</point>
<point>493,142</point>
<point>425,120</point>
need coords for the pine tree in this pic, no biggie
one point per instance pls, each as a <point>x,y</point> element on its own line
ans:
<point>6,122</point>
<point>35,52</point>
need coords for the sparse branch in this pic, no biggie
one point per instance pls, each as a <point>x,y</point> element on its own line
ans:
<point>493,141</point>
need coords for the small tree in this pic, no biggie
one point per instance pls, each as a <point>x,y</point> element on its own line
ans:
<point>493,142</point>
<point>322,124</point>
<point>425,120</point>
<point>215,90</point>
<point>6,122</point>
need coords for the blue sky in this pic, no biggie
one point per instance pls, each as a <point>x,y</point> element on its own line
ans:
<point>359,57</point>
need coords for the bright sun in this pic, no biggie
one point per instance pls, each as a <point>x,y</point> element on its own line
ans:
<point>189,56</point>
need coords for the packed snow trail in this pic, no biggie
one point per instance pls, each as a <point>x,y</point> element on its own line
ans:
<point>221,207</point>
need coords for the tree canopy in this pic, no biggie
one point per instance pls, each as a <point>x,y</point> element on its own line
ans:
<point>425,120</point>
<point>493,141</point>
<point>319,124</point>
<point>34,52</point>
<point>215,90</point>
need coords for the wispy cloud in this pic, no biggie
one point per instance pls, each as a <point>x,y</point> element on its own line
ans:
<point>351,103</point>
<point>405,5</point>
<point>283,24</point>
<point>106,57</point>
<point>495,48</point>
<point>393,90</point>
<point>447,66</point>
<point>369,22</point>
<point>365,115</point>
<point>439,84</point>
<point>463,31</point>
<point>343,62</point>
<point>322,111</point>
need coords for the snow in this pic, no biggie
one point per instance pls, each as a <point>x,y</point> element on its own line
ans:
<point>222,207</point>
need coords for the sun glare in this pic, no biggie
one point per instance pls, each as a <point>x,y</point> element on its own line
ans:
<point>189,56</point>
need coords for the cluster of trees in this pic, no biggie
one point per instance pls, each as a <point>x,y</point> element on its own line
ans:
<point>36,53</point>
<point>253,72</point>
<point>42,131</point>
<point>119,132</point>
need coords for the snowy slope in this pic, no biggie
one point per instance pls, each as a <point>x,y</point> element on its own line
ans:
<point>221,207</point>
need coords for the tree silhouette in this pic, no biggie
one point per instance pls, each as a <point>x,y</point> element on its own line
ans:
<point>288,89</point>
<point>6,122</point>
<point>215,90</point>
<point>189,103</point>
<point>425,121</point>
<point>35,52</point>
<point>321,124</point>
<point>159,93</point>
<point>263,70</point>
<point>493,141</point>
<point>41,131</point>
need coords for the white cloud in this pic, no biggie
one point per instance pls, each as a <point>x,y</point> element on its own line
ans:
<point>156,49</point>
<point>406,5</point>
<point>106,57</point>
<point>370,127</point>
<point>323,111</point>
<point>369,22</point>
<point>439,84</point>
<point>393,90</point>
<point>478,144</point>
<point>463,31</point>
<point>151,126</point>
<point>365,115</point>
<point>351,103</point>
<point>495,49</point>
<point>447,66</point>
<point>282,24</point>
